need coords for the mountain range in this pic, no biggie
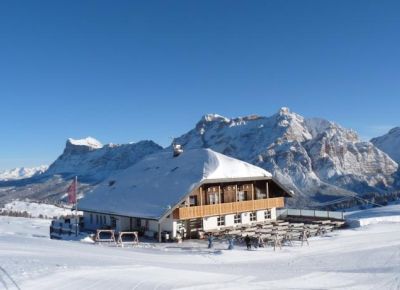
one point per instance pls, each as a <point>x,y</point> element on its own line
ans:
<point>21,172</point>
<point>318,159</point>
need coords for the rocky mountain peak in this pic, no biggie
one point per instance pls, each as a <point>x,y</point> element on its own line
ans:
<point>389,143</point>
<point>214,118</point>
<point>313,156</point>
<point>82,145</point>
<point>89,158</point>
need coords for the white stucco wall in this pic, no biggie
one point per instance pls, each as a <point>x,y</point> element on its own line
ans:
<point>245,217</point>
<point>153,226</point>
<point>260,215</point>
<point>210,223</point>
<point>169,225</point>
<point>97,221</point>
<point>229,220</point>
<point>273,213</point>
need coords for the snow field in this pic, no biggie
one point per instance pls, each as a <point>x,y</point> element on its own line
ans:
<point>362,258</point>
<point>36,209</point>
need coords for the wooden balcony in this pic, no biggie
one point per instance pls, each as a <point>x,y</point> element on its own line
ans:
<point>227,208</point>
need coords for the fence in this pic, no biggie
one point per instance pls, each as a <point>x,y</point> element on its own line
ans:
<point>284,212</point>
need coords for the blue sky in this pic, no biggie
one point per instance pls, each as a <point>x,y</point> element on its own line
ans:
<point>124,71</point>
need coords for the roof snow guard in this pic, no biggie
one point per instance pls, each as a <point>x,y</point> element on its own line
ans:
<point>154,185</point>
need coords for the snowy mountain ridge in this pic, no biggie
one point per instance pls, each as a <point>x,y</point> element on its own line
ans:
<point>89,159</point>
<point>88,142</point>
<point>317,158</point>
<point>389,143</point>
<point>313,156</point>
<point>22,172</point>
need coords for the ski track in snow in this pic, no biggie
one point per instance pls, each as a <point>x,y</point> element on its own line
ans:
<point>362,258</point>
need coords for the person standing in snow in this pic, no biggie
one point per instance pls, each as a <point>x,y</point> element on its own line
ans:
<point>248,242</point>
<point>210,241</point>
<point>230,241</point>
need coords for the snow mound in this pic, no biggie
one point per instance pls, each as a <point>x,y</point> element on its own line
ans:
<point>377,215</point>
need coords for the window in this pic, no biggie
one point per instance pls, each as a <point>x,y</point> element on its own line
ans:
<point>97,219</point>
<point>237,219</point>
<point>221,221</point>
<point>253,216</point>
<point>260,195</point>
<point>193,200</point>
<point>267,214</point>
<point>213,198</point>
<point>91,218</point>
<point>113,222</point>
<point>242,195</point>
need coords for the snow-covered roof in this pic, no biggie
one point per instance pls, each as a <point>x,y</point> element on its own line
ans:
<point>158,182</point>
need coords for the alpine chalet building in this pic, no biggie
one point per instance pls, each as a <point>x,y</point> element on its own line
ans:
<point>185,192</point>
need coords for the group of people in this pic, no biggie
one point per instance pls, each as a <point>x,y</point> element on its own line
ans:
<point>247,240</point>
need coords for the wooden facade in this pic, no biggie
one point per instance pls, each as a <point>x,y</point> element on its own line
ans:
<point>231,198</point>
<point>227,208</point>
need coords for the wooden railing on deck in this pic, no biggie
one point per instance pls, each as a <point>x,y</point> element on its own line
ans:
<point>227,208</point>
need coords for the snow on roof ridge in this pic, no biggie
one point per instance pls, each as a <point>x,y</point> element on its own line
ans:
<point>220,161</point>
<point>88,141</point>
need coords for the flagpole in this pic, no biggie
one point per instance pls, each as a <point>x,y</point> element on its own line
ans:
<point>76,206</point>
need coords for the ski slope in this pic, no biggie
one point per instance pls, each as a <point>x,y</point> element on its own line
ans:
<point>361,258</point>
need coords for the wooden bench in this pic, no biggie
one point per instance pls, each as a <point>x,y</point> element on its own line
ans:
<point>98,238</point>
<point>134,242</point>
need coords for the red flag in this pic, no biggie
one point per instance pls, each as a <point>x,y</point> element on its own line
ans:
<point>72,192</point>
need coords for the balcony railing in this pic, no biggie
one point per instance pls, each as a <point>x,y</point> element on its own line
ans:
<point>227,208</point>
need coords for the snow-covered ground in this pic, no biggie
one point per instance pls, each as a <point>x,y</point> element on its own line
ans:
<point>390,213</point>
<point>35,209</point>
<point>361,258</point>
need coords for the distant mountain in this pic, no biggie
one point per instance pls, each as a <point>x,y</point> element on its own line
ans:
<point>21,173</point>
<point>319,159</point>
<point>91,161</point>
<point>389,143</point>
<point>86,158</point>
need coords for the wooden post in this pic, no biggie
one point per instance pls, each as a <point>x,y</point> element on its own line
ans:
<point>159,232</point>
<point>236,198</point>
<point>219,198</point>
<point>252,194</point>
<point>76,206</point>
<point>267,185</point>
<point>201,200</point>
